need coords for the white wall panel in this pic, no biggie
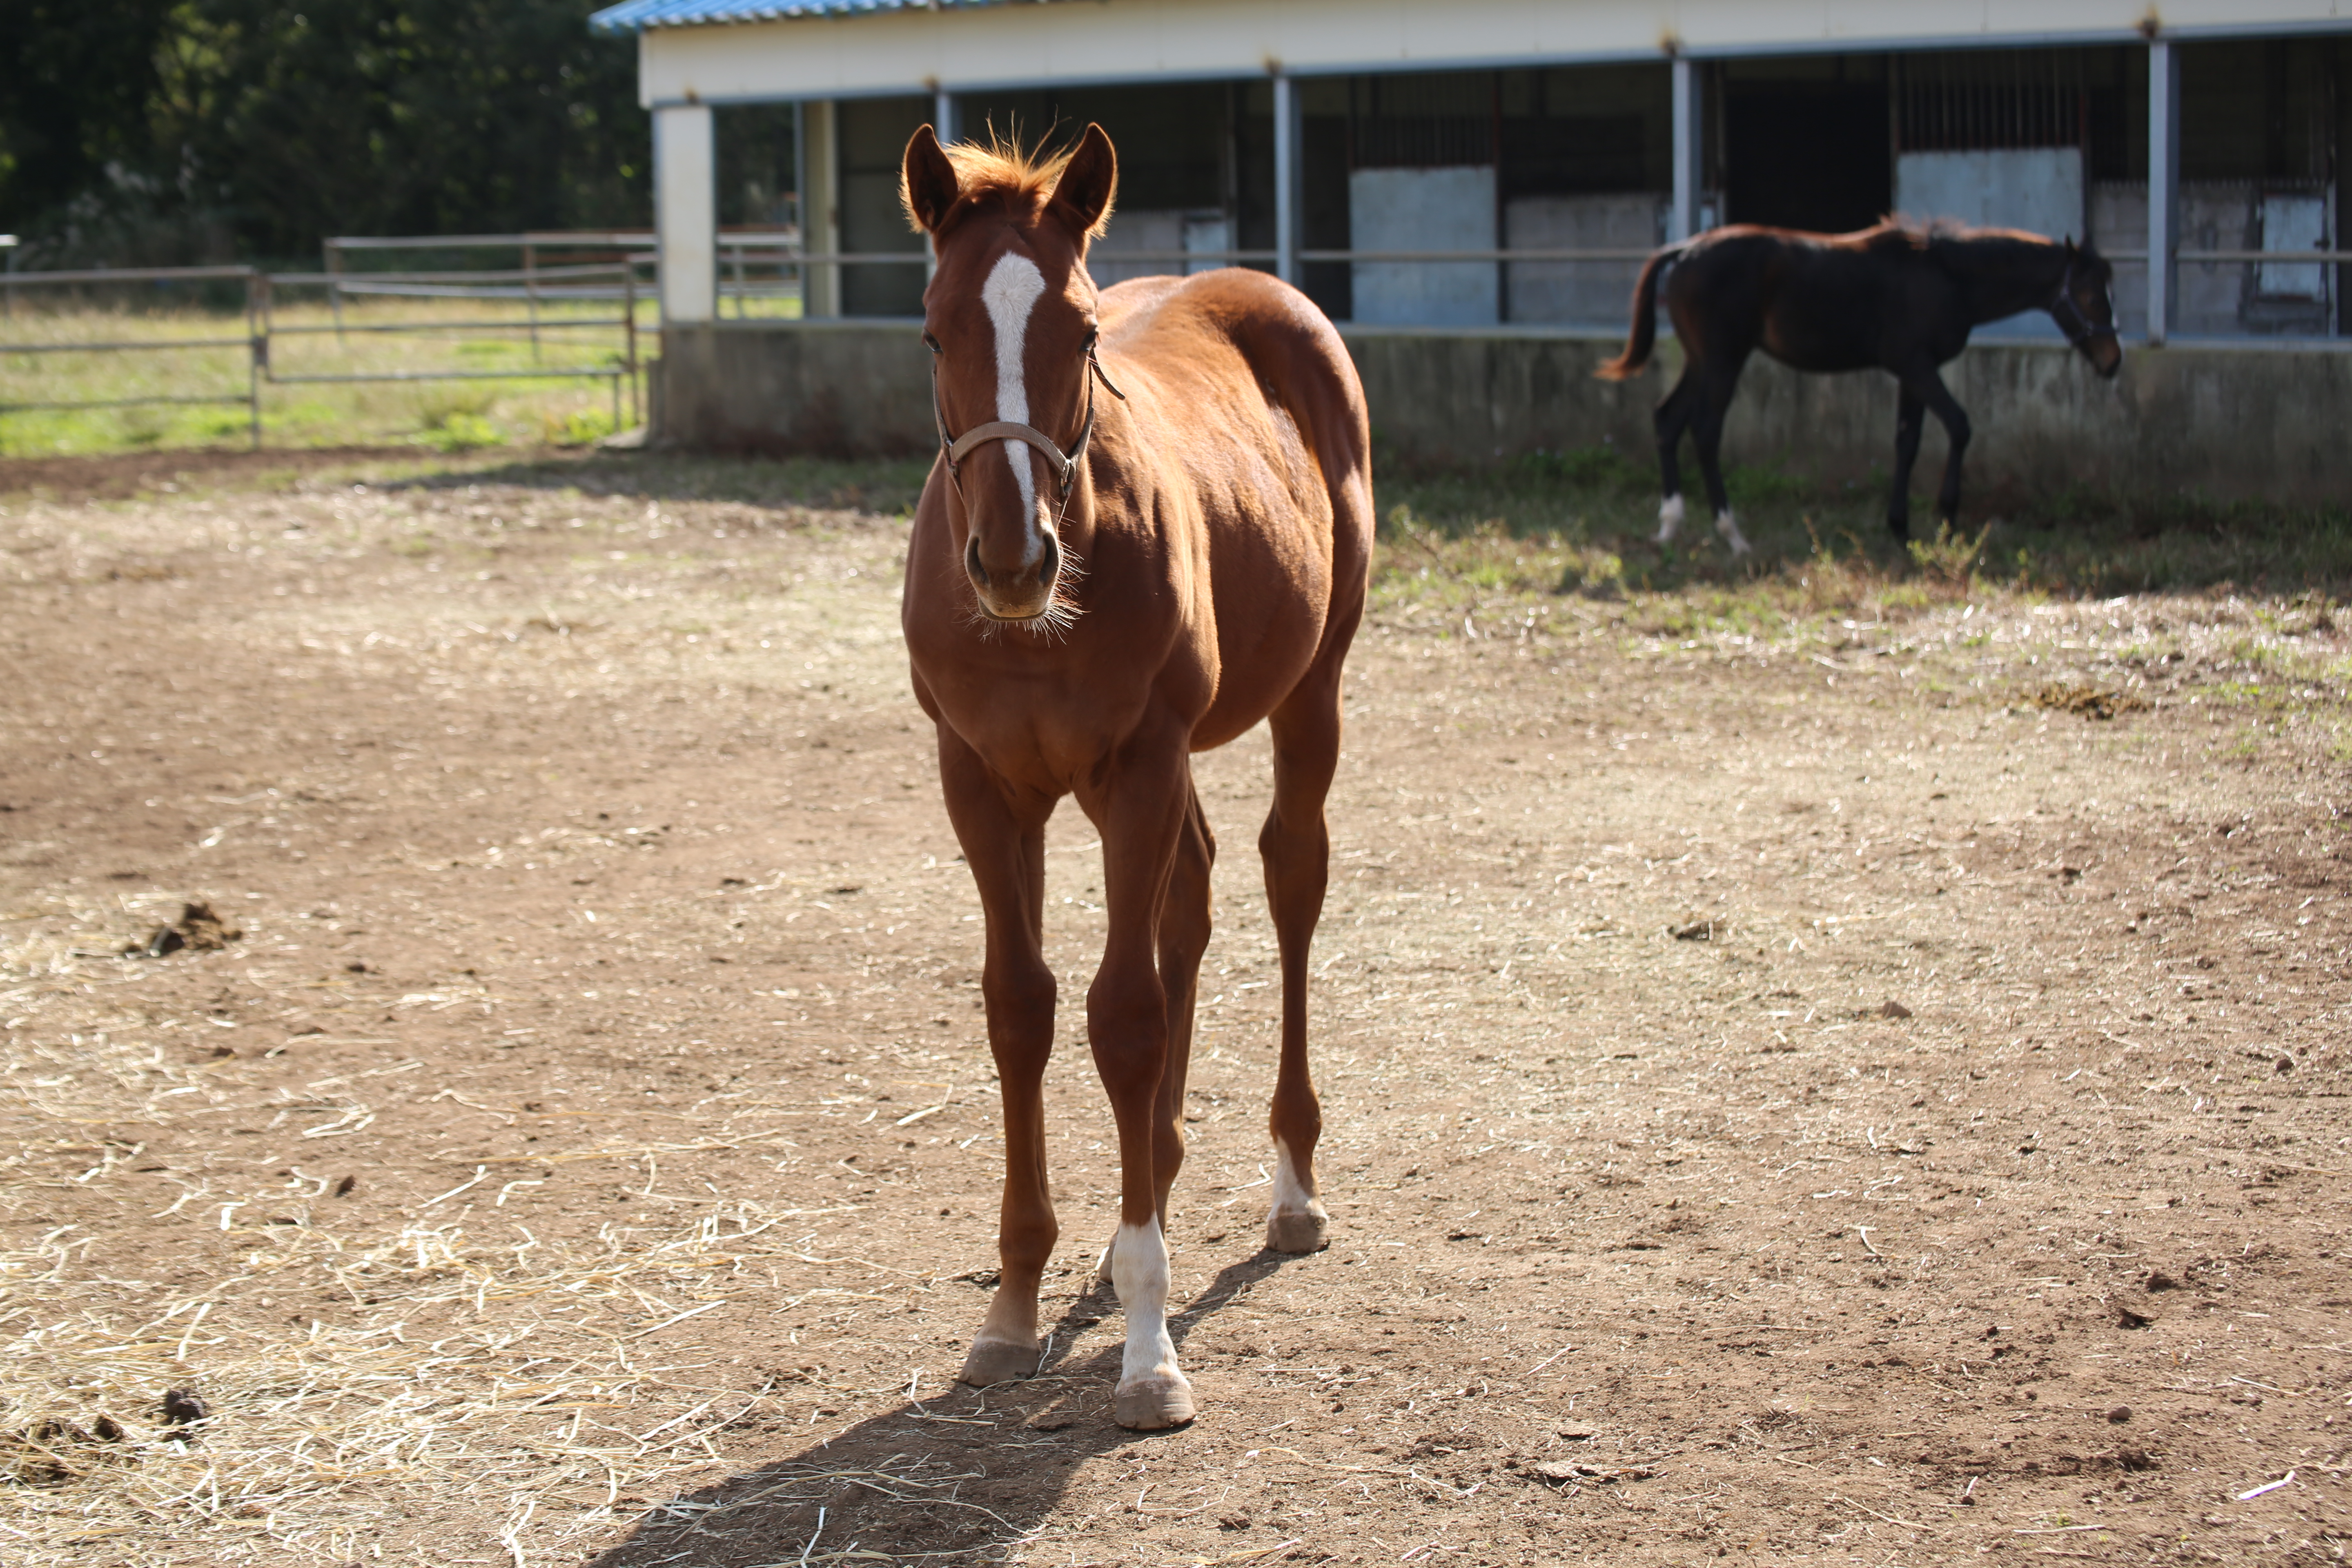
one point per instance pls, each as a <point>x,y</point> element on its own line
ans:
<point>1424,209</point>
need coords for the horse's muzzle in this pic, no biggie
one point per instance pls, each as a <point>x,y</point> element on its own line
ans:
<point>2107,357</point>
<point>1014,593</point>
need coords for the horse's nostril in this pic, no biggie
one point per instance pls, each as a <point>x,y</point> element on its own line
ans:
<point>972,563</point>
<point>1050,562</point>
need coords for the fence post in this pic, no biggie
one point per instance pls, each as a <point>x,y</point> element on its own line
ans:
<point>530,294</point>
<point>629,319</point>
<point>335,286</point>
<point>256,287</point>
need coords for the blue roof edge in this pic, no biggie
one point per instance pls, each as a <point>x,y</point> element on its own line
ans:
<point>638,16</point>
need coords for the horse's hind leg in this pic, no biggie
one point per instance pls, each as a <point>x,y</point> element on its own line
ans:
<point>1946,408</point>
<point>1295,844</point>
<point>1672,418</point>
<point>1910,414</point>
<point>1706,432</point>
<point>1003,842</point>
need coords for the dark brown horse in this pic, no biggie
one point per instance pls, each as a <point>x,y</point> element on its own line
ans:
<point>1893,297</point>
<point>1201,446</point>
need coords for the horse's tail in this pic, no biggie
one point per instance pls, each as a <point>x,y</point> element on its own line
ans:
<point>1644,333</point>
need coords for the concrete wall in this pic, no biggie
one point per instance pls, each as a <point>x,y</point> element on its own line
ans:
<point>2226,422</point>
<point>842,387</point>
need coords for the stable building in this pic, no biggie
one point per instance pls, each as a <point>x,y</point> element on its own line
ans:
<point>1469,189</point>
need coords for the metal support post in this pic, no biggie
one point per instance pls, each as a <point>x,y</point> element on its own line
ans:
<point>820,208</point>
<point>1689,152</point>
<point>943,126</point>
<point>2163,190</point>
<point>1285,179</point>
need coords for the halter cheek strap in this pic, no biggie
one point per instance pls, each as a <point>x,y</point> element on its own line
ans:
<point>2080,330</point>
<point>1066,465</point>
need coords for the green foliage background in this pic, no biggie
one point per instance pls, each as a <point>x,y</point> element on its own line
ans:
<point>158,131</point>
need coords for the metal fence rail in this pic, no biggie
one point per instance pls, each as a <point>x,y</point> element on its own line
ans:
<point>614,281</point>
<point>255,345</point>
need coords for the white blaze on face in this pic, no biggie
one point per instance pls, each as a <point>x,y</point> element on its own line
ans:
<point>1011,293</point>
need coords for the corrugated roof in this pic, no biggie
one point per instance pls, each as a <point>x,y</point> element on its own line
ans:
<point>636,15</point>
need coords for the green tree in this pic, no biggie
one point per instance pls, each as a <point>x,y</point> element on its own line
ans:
<point>77,79</point>
<point>277,123</point>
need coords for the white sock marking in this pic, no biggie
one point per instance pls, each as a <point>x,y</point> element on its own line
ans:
<point>1728,526</point>
<point>1138,1266</point>
<point>1290,1194</point>
<point>1670,518</point>
<point>1014,287</point>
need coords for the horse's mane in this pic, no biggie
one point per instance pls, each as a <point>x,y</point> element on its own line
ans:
<point>1896,232</point>
<point>1018,179</point>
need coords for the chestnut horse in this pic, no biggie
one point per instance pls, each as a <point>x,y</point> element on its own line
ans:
<point>1149,527</point>
<point>1894,298</point>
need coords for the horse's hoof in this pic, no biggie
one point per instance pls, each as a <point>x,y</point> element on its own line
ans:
<point>1299,1230</point>
<point>1155,1403</point>
<point>998,1361</point>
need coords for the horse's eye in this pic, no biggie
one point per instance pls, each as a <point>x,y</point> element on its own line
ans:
<point>932,343</point>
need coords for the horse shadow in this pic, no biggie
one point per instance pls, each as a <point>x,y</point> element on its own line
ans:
<point>964,1472</point>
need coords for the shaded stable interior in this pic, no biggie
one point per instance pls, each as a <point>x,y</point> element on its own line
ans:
<point>1580,158</point>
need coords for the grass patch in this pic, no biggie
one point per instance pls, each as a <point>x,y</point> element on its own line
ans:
<point>1583,522</point>
<point>470,336</point>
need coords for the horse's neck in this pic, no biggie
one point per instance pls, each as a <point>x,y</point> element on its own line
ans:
<point>2006,279</point>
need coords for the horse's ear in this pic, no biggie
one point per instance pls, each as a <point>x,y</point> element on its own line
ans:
<point>2071,251</point>
<point>1089,182</point>
<point>928,187</point>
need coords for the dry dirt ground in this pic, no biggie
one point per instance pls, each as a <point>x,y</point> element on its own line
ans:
<point>1791,1096</point>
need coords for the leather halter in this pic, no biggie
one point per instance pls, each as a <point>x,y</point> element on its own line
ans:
<point>1066,465</point>
<point>2082,331</point>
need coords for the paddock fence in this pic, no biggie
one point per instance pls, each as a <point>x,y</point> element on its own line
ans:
<point>560,309</point>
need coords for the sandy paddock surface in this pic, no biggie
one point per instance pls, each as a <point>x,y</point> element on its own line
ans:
<point>1791,1098</point>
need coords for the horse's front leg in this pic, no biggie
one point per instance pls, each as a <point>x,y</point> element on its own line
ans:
<point>1002,832</point>
<point>1141,804</point>
<point>1948,411</point>
<point>1183,937</point>
<point>1910,414</point>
